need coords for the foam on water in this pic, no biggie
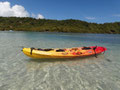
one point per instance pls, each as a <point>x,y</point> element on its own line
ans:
<point>19,72</point>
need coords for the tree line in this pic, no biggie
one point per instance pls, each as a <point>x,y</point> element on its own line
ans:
<point>43,25</point>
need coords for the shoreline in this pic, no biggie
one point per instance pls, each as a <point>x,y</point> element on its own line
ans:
<point>57,32</point>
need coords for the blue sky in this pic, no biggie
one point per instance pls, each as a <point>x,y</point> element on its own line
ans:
<point>99,11</point>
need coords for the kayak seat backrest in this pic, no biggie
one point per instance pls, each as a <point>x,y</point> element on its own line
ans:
<point>60,50</point>
<point>44,49</point>
<point>40,49</point>
<point>48,49</point>
<point>86,48</point>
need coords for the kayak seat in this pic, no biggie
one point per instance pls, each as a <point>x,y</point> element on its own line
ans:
<point>44,49</point>
<point>60,50</point>
<point>39,49</point>
<point>86,48</point>
<point>48,49</point>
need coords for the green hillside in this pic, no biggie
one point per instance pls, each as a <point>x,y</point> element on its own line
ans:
<point>71,25</point>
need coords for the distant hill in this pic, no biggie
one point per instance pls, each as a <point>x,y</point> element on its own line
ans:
<point>70,25</point>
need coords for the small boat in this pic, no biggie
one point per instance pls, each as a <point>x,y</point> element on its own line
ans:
<point>63,53</point>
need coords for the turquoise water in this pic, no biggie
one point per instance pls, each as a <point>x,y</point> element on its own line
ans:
<point>19,72</point>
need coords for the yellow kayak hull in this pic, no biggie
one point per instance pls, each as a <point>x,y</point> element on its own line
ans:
<point>68,53</point>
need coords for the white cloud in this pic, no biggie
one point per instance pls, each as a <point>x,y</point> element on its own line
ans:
<point>39,16</point>
<point>6,10</point>
<point>17,10</point>
<point>20,11</point>
<point>90,18</point>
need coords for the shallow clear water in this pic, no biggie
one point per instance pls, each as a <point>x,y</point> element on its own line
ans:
<point>19,72</point>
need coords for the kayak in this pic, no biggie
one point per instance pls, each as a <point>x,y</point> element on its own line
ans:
<point>64,52</point>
